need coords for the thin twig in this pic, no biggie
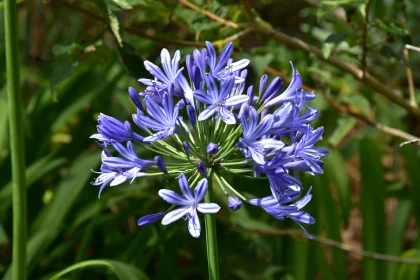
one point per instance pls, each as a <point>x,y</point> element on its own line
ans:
<point>248,12</point>
<point>209,14</point>
<point>332,243</point>
<point>133,31</point>
<point>364,37</point>
<point>407,60</point>
<point>413,48</point>
<point>368,79</point>
<point>409,78</point>
<point>410,142</point>
<point>378,86</point>
<point>232,38</point>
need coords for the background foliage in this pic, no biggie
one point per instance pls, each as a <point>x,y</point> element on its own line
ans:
<point>78,59</point>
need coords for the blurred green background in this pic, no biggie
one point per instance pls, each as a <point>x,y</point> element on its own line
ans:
<point>79,57</point>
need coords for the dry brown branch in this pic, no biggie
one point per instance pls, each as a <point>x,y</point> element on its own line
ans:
<point>209,14</point>
<point>346,109</point>
<point>344,66</point>
<point>349,110</point>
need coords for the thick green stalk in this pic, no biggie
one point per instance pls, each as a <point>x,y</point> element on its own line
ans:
<point>211,237</point>
<point>16,140</point>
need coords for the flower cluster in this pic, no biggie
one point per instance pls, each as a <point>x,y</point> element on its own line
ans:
<point>203,123</point>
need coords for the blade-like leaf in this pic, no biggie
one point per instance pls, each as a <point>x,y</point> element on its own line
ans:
<point>396,233</point>
<point>122,270</point>
<point>406,271</point>
<point>114,24</point>
<point>335,169</point>
<point>46,226</point>
<point>33,173</point>
<point>372,204</point>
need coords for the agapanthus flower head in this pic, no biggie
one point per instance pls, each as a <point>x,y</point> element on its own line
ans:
<point>205,123</point>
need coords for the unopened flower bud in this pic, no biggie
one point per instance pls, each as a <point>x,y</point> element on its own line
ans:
<point>201,167</point>
<point>159,162</point>
<point>212,148</point>
<point>191,115</point>
<point>135,98</point>
<point>234,203</point>
<point>186,148</point>
<point>150,219</point>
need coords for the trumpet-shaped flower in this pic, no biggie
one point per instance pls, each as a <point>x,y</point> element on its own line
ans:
<point>293,211</point>
<point>164,118</point>
<point>117,170</point>
<point>252,144</point>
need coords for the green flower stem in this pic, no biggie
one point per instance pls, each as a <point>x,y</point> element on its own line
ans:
<point>211,237</point>
<point>232,189</point>
<point>16,140</point>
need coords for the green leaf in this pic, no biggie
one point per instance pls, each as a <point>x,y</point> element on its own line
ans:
<point>327,208</point>
<point>407,271</point>
<point>133,63</point>
<point>48,223</point>
<point>33,173</point>
<point>388,51</point>
<point>4,239</point>
<point>344,125</point>
<point>396,233</point>
<point>123,4</point>
<point>260,62</point>
<point>327,49</point>
<point>335,169</point>
<point>372,206</point>
<point>395,29</point>
<point>4,133</point>
<point>62,72</point>
<point>337,38</point>
<point>122,270</point>
<point>358,103</point>
<point>71,49</point>
<point>105,7</point>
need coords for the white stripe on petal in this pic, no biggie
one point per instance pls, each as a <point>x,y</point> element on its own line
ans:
<point>173,198</point>
<point>194,225</point>
<point>208,208</point>
<point>175,215</point>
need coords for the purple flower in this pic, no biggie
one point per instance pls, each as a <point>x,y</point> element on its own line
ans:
<point>281,183</point>
<point>288,119</point>
<point>212,148</point>
<point>252,144</point>
<point>189,204</point>
<point>116,170</point>
<point>218,101</point>
<point>110,129</point>
<point>307,156</point>
<point>170,72</point>
<point>221,68</point>
<point>234,203</point>
<point>275,208</point>
<point>164,118</point>
<point>289,94</point>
